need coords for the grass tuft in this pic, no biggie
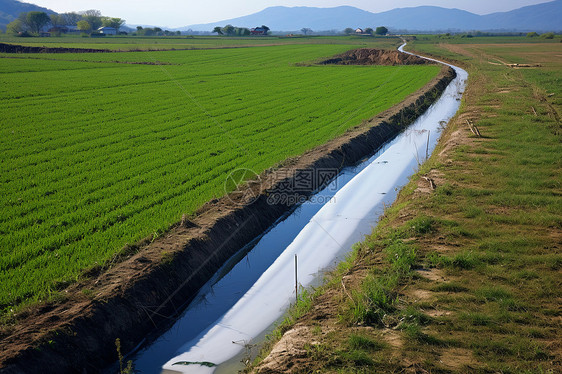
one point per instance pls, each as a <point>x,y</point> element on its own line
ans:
<point>364,343</point>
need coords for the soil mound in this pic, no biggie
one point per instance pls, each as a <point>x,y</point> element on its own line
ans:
<point>369,56</point>
<point>15,48</point>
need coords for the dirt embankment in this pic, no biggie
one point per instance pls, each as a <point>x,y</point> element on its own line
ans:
<point>369,56</point>
<point>147,289</point>
<point>22,49</point>
<point>15,48</point>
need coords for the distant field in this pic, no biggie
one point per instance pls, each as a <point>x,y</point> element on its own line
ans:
<point>463,39</point>
<point>126,43</point>
<point>96,153</point>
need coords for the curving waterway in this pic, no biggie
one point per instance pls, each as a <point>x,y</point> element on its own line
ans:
<point>252,291</point>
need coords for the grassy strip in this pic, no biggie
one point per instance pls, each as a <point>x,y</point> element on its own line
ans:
<point>377,297</point>
<point>374,303</point>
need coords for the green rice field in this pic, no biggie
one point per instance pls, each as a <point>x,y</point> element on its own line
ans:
<point>127,43</point>
<point>96,153</point>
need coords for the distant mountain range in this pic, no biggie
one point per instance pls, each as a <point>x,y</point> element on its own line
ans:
<point>541,17</point>
<point>11,9</point>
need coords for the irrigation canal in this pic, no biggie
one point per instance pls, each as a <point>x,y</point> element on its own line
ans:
<point>251,292</point>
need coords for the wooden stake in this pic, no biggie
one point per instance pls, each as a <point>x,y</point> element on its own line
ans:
<point>473,128</point>
<point>427,146</point>
<point>296,282</point>
<point>431,182</point>
<point>534,111</point>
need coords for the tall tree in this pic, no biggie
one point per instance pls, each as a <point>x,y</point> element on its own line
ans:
<point>116,23</point>
<point>306,30</point>
<point>93,17</point>
<point>218,30</point>
<point>71,18</point>
<point>56,19</point>
<point>15,27</point>
<point>369,31</point>
<point>35,21</point>
<point>242,31</point>
<point>228,30</point>
<point>381,30</point>
<point>84,26</point>
<point>348,31</point>
<point>265,28</point>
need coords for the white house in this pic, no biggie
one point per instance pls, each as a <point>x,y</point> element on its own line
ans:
<point>108,30</point>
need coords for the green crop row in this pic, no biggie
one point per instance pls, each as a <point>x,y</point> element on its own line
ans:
<point>126,43</point>
<point>96,154</point>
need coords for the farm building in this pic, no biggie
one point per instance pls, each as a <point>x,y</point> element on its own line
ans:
<point>258,31</point>
<point>108,30</point>
<point>64,30</point>
<point>359,30</point>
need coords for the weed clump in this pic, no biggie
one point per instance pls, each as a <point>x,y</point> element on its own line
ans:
<point>377,296</point>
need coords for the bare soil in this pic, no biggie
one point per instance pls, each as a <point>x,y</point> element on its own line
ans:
<point>370,56</point>
<point>149,283</point>
<point>15,48</point>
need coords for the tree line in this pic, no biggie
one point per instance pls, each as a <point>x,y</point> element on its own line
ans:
<point>30,23</point>
<point>230,30</point>
<point>381,30</point>
<point>154,31</point>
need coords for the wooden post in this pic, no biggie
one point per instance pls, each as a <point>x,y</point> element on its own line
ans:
<point>296,282</point>
<point>427,146</point>
<point>473,128</point>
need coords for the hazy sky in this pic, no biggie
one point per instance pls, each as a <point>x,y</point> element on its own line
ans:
<point>177,13</point>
